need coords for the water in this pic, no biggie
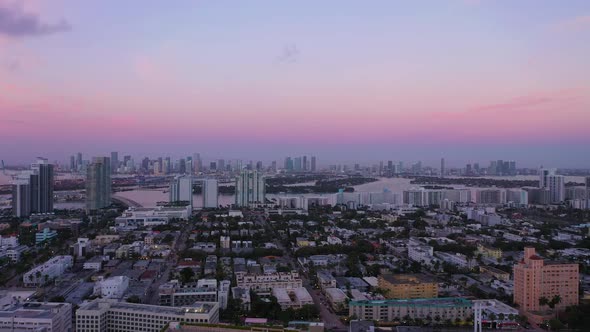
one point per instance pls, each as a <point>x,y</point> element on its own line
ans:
<point>149,198</point>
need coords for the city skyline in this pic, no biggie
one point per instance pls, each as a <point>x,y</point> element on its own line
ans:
<point>463,80</point>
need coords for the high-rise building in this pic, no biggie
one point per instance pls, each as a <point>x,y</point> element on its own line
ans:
<point>544,174</point>
<point>588,192</point>
<point>534,278</point>
<point>273,166</point>
<point>21,198</point>
<point>297,164</point>
<point>182,166</point>
<point>197,163</point>
<point>181,190</point>
<point>304,163</point>
<point>288,164</point>
<point>555,184</point>
<point>442,167</point>
<point>250,188</point>
<point>73,164</point>
<point>221,165</point>
<point>78,160</point>
<point>42,186</point>
<point>210,193</point>
<point>114,162</point>
<point>166,165</point>
<point>98,184</point>
<point>313,164</point>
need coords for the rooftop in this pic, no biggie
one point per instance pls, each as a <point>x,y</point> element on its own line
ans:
<point>427,302</point>
<point>407,278</point>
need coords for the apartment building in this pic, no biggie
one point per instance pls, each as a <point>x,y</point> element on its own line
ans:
<point>49,270</point>
<point>536,278</point>
<point>103,315</point>
<point>408,286</point>
<point>264,283</point>
<point>391,310</point>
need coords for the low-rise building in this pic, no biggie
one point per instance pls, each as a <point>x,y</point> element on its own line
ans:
<point>49,270</point>
<point>112,288</point>
<point>264,283</point>
<point>103,315</point>
<point>292,298</point>
<point>488,251</point>
<point>408,286</point>
<point>95,263</point>
<point>36,316</point>
<point>45,235</point>
<point>494,272</point>
<point>337,299</point>
<point>392,310</point>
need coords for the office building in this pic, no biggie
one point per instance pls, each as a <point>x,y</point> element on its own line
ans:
<point>114,162</point>
<point>408,286</point>
<point>73,164</point>
<point>102,315</point>
<point>313,164</point>
<point>210,193</point>
<point>250,188</point>
<point>79,161</point>
<point>36,316</point>
<point>535,278</point>
<point>442,167</point>
<point>445,309</point>
<point>98,184</point>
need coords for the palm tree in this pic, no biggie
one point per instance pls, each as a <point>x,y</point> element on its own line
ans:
<point>501,316</point>
<point>543,301</point>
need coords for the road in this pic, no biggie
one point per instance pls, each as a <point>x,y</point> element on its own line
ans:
<point>330,320</point>
<point>178,246</point>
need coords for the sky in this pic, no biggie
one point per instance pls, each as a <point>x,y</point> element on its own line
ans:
<point>467,80</point>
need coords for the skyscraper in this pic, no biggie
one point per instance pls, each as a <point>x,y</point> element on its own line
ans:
<point>114,161</point>
<point>21,198</point>
<point>442,167</point>
<point>544,174</point>
<point>42,186</point>
<point>304,163</point>
<point>73,163</point>
<point>181,190</point>
<point>78,161</point>
<point>98,184</point>
<point>297,164</point>
<point>209,192</point>
<point>182,166</point>
<point>250,188</point>
<point>313,164</point>
<point>288,164</point>
<point>588,192</point>
<point>556,186</point>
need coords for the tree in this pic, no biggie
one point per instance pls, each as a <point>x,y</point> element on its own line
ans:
<point>543,301</point>
<point>133,299</point>
<point>187,274</point>
<point>57,299</point>
<point>555,324</point>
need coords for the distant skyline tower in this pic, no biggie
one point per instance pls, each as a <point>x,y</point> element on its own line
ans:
<point>313,163</point>
<point>21,198</point>
<point>588,192</point>
<point>78,161</point>
<point>304,163</point>
<point>442,167</point>
<point>181,189</point>
<point>210,193</point>
<point>114,161</point>
<point>42,186</point>
<point>98,184</point>
<point>544,174</point>
<point>250,188</point>
<point>73,164</point>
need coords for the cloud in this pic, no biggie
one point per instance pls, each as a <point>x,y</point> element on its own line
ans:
<point>16,23</point>
<point>290,54</point>
<point>574,24</point>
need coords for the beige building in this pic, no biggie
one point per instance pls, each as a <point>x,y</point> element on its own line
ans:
<point>408,286</point>
<point>488,251</point>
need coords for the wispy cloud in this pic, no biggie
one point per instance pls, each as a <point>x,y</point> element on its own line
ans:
<point>574,24</point>
<point>289,54</point>
<point>16,23</point>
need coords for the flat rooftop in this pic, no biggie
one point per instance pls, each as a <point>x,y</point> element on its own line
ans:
<point>198,307</point>
<point>427,302</point>
<point>401,279</point>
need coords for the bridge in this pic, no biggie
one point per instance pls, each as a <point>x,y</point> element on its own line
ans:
<point>125,201</point>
